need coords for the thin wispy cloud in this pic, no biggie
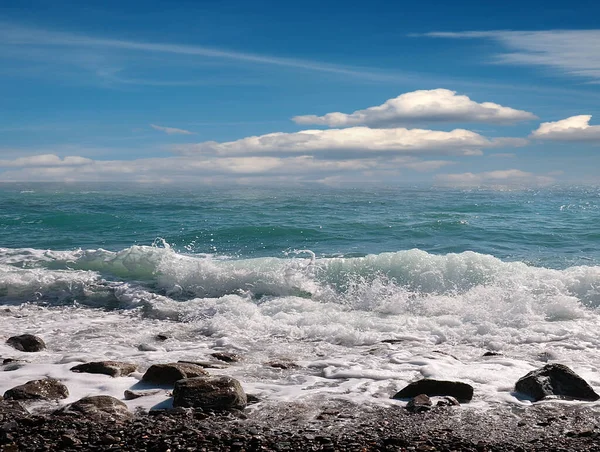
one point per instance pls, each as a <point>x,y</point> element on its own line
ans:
<point>27,37</point>
<point>574,52</point>
<point>499,178</point>
<point>171,130</point>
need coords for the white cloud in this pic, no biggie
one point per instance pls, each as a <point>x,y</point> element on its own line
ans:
<point>171,130</point>
<point>574,52</point>
<point>437,105</point>
<point>45,160</point>
<point>575,128</point>
<point>211,169</point>
<point>499,178</point>
<point>354,140</point>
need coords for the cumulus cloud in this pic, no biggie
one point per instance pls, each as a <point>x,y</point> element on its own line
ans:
<point>575,128</point>
<point>501,178</point>
<point>437,105</point>
<point>354,140</point>
<point>171,130</point>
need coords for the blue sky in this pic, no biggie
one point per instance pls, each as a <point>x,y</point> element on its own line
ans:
<point>269,92</point>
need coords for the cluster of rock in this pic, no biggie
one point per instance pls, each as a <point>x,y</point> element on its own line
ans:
<point>550,381</point>
<point>193,387</point>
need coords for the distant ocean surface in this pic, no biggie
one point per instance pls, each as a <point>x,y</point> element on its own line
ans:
<point>316,276</point>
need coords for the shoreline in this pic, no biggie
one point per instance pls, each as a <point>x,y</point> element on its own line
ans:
<point>339,425</point>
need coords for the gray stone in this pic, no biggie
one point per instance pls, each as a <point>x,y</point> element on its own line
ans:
<point>112,368</point>
<point>26,343</point>
<point>226,357</point>
<point>555,380</point>
<point>102,407</point>
<point>420,403</point>
<point>130,395</point>
<point>168,374</point>
<point>209,393</point>
<point>463,392</point>
<point>447,401</point>
<point>47,389</point>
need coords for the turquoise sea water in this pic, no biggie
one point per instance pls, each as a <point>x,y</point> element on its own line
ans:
<point>551,227</point>
<point>320,276</point>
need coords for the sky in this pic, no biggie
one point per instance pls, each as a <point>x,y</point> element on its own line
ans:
<point>461,93</point>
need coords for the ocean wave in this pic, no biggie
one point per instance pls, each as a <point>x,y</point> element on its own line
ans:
<point>411,280</point>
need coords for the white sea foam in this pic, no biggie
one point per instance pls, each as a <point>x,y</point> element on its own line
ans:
<point>327,315</point>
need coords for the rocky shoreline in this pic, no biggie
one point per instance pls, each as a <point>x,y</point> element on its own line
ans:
<point>338,427</point>
<point>212,412</point>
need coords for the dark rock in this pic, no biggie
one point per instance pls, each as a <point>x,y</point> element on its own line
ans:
<point>555,380</point>
<point>463,392</point>
<point>130,395</point>
<point>10,409</point>
<point>447,401</point>
<point>251,399</point>
<point>282,365</point>
<point>490,353</point>
<point>163,336</point>
<point>393,341</point>
<point>227,357</point>
<point>147,348</point>
<point>102,407</point>
<point>168,374</point>
<point>209,393</point>
<point>26,343</point>
<point>418,404</point>
<point>13,360</point>
<point>205,364</point>
<point>112,368</point>
<point>47,389</point>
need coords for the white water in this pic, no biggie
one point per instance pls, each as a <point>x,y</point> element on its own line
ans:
<point>329,316</point>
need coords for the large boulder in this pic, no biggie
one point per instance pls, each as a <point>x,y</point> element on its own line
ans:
<point>209,393</point>
<point>112,368</point>
<point>168,374</point>
<point>26,343</point>
<point>463,392</point>
<point>47,389</point>
<point>555,380</point>
<point>101,407</point>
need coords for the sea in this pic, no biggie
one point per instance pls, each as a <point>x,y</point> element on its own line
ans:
<point>324,293</point>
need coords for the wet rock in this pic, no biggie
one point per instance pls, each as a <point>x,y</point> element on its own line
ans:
<point>26,343</point>
<point>226,357</point>
<point>205,364</point>
<point>112,368</point>
<point>163,336</point>
<point>418,404</point>
<point>130,395</point>
<point>9,409</point>
<point>103,407</point>
<point>555,380</point>
<point>490,353</point>
<point>285,365</point>
<point>47,389</point>
<point>463,392</point>
<point>209,393</point>
<point>447,401</point>
<point>147,348</point>
<point>168,374</point>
